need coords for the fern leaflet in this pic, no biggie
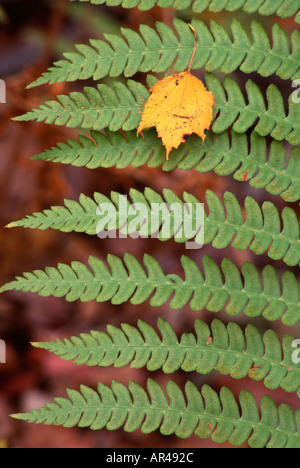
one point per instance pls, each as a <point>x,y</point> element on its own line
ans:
<point>204,413</point>
<point>277,173</point>
<point>157,51</point>
<point>120,106</point>
<point>223,224</point>
<point>282,8</point>
<point>126,280</point>
<point>226,349</point>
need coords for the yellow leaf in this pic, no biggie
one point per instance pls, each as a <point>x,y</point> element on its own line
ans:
<point>179,105</point>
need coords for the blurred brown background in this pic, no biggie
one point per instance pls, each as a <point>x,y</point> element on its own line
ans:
<point>33,34</point>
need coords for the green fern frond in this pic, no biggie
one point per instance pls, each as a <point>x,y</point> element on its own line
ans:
<point>204,413</point>
<point>234,110</point>
<point>217,288</point>
<point>117,107</point>
<point>120,107</point>
<point>282,8</point>
<point>278,173</point>
<point>227,350</point>
<point>157,51</point>
<point>223,224</point>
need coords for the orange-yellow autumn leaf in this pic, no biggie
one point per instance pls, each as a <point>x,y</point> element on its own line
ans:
<point>178,106</point>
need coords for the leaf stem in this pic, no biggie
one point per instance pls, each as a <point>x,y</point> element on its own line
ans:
<point>195,47</point>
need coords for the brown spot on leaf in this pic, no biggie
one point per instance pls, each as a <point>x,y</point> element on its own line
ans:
<point>256,367</point>
<point>210,427</point>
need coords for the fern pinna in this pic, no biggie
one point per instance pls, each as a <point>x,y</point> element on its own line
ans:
<point>225,349</point>
<point>255,138</point>
<point>260,232</point>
